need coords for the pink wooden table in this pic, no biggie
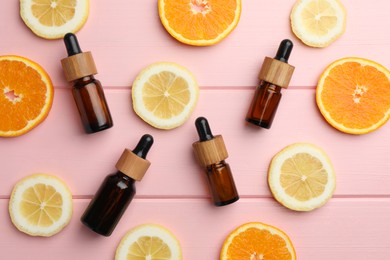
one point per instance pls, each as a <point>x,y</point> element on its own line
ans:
<point>124,37</point>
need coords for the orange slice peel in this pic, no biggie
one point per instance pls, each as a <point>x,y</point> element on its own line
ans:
<point>199,22</point>
<point>256,240</point>
<point>26,95</point>
<point>353,95</point>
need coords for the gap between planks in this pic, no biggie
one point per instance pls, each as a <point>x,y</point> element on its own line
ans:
<point>107,88</point>
<point>245,197</point>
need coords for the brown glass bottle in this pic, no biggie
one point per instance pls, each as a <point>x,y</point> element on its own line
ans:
<point>275,74</point>
<point>264,104</point>
<point>90,100</point>
<point>221,183</point>
<point>211,153</point>
<point>88,93</point>
<point>117,190</point>
<point>109,203</point>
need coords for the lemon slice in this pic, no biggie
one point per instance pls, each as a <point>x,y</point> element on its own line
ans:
<point>52,19</point>
<point>149,242</point>
<point>301,177</point>
<point>318,23</point>
<point>40,205</point>
<point>164,95</point>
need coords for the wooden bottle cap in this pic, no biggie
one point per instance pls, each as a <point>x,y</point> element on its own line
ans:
<point>276,72</point>
<point>78,66</point>
<point>132,165</point>
<point>211,151</point>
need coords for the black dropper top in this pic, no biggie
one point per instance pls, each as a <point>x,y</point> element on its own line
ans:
<point>143,146</point>
<point>203,128</point>
<point>72,45</point>
<point>284,50</point>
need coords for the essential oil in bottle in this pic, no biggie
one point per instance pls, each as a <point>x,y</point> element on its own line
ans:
<point>275,74</point>
<point>211,153</point>
<point>79,68</point>
<point>117,190</point>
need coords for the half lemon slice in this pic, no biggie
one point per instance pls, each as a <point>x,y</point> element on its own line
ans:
<point>149,241</point>
<point>52,19</point>
<point>318,23</point>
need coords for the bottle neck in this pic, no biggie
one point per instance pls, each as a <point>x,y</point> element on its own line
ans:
<point>270,86</point>
<point>83,81</point>
<point>125,177</point>
<point>217,165</point>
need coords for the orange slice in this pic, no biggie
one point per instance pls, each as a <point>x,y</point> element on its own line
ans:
<point>353,94</point>
<point>257,240</point>
<point>26,95</point>
<point>199,22</point>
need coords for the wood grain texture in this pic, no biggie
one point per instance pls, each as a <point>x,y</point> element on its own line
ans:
<point>343,229</point>
<point>124,37</point>
<point>60,146</point>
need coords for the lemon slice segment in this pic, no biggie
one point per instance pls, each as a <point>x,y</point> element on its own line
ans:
<point>40,205</point>
<point>301,177</point>
<point>318,23</point>
<point>164,95</point>
<point>149,241</point>
<point>52,19</point>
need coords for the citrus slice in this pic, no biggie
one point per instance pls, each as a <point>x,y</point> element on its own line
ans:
<point>199,22</point>
<point>149,242</point>
<point>52,19</point>
<point>301,177</point>
<point>26,95</point>
<point>164,95</point>
<point>257,240</point>
<point>40,205</point>
<point>353,94</point>
<point>318,23</point>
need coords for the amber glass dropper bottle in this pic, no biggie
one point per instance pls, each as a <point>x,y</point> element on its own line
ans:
<point>79,68</point>
<point>275,74</point>
<point>211,153</point>
<point>117,190</point>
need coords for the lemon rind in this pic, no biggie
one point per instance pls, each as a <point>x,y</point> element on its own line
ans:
<point>274,177</point>
<point>16,197</point>
<point>54,32</point>
<point>148,230</point>
<point>310,40</point>
<point>147,116</point>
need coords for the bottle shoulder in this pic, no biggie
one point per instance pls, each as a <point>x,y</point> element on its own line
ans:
<point>265,85</point>
<point>86,81</point>
<point>121,179</point>
<point>218,165</point>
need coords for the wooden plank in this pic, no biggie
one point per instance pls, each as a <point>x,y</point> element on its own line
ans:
<point>343,229</point>
<point>59,146</point>
<point>125,37</point>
